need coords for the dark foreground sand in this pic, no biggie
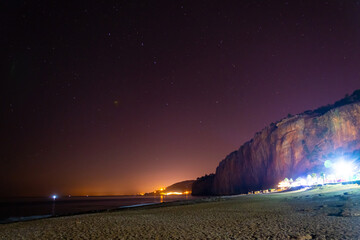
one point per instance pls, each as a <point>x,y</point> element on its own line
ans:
<point>331,212</point>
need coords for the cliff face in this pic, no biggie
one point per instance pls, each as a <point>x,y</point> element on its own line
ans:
<point>292,147</point>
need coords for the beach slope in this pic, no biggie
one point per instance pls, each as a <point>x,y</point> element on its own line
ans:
<point>329,212</point>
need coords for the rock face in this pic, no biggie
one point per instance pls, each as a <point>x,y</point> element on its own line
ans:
<point>294,146</point>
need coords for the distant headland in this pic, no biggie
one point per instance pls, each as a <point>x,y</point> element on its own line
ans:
<point>179,188</point>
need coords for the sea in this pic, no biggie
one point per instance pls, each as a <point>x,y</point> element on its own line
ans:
<point>30,208</point>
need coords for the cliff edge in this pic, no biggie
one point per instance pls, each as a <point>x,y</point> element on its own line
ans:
<point>291,147</point>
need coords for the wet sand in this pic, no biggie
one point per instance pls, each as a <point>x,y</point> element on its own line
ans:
<point>330,212</point>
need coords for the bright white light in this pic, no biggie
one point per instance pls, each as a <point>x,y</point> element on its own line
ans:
<point>284,184</point>
<point>303,182</point>
<point>343,169</point>
<point>299,182</point>
<point>54,197</point>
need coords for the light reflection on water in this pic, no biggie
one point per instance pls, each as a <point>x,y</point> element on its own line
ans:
<point>26,207</point>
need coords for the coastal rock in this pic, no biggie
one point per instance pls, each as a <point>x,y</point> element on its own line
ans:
<point>293,147</point>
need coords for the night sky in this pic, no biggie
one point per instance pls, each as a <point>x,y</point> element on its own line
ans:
<point>123,97</point>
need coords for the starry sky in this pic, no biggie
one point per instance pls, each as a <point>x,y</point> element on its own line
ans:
<point>121,97</point>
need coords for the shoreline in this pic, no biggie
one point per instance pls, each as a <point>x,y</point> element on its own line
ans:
<point>325,212</point>
<point>201,199</point>
<point>115,209</point>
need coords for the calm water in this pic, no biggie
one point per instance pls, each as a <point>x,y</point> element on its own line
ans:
<point>22,209</point>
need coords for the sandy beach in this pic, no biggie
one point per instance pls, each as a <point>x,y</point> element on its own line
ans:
<point>330,212</point>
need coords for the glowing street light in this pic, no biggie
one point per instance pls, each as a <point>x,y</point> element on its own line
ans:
<point>54,197</point>
<point>343,169</point>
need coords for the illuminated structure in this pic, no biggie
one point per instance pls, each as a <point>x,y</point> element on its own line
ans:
<point>342,171</point>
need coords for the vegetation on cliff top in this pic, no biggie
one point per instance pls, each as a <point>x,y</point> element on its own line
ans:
<point>348,99</point>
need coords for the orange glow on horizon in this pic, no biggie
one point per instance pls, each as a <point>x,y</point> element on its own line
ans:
<point>176,193</point>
